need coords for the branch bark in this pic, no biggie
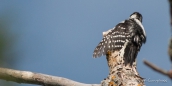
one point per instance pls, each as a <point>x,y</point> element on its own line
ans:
<point>119,73</point>
<point>38,78</point>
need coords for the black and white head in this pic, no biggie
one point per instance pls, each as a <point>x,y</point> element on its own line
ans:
<point>136,15</point>
<point>138,19</point>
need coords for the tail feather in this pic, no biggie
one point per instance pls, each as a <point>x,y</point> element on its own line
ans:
<point>130,53</point>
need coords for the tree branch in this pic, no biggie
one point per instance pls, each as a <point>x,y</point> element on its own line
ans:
<point>157,69</point>
<point>119,73</point>
<point>38,78</point>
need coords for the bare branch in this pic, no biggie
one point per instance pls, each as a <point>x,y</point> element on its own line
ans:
<point>38,78</point>
<point>157,69</point>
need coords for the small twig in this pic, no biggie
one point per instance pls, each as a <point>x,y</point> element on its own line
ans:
<point>155,68</point>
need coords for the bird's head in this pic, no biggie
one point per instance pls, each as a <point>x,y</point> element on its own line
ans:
<point>136,15</point>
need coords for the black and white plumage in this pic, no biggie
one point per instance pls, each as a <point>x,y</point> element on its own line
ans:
<point>130,31</point>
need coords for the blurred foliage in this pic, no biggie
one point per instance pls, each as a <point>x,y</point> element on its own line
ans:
<point>7,40</point>
<point>6,44</point>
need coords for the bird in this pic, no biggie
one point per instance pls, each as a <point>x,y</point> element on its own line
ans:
<point>126,37</point>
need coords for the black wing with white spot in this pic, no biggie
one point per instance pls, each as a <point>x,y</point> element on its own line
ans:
<point>114,40</point>
<point>129,31</point>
